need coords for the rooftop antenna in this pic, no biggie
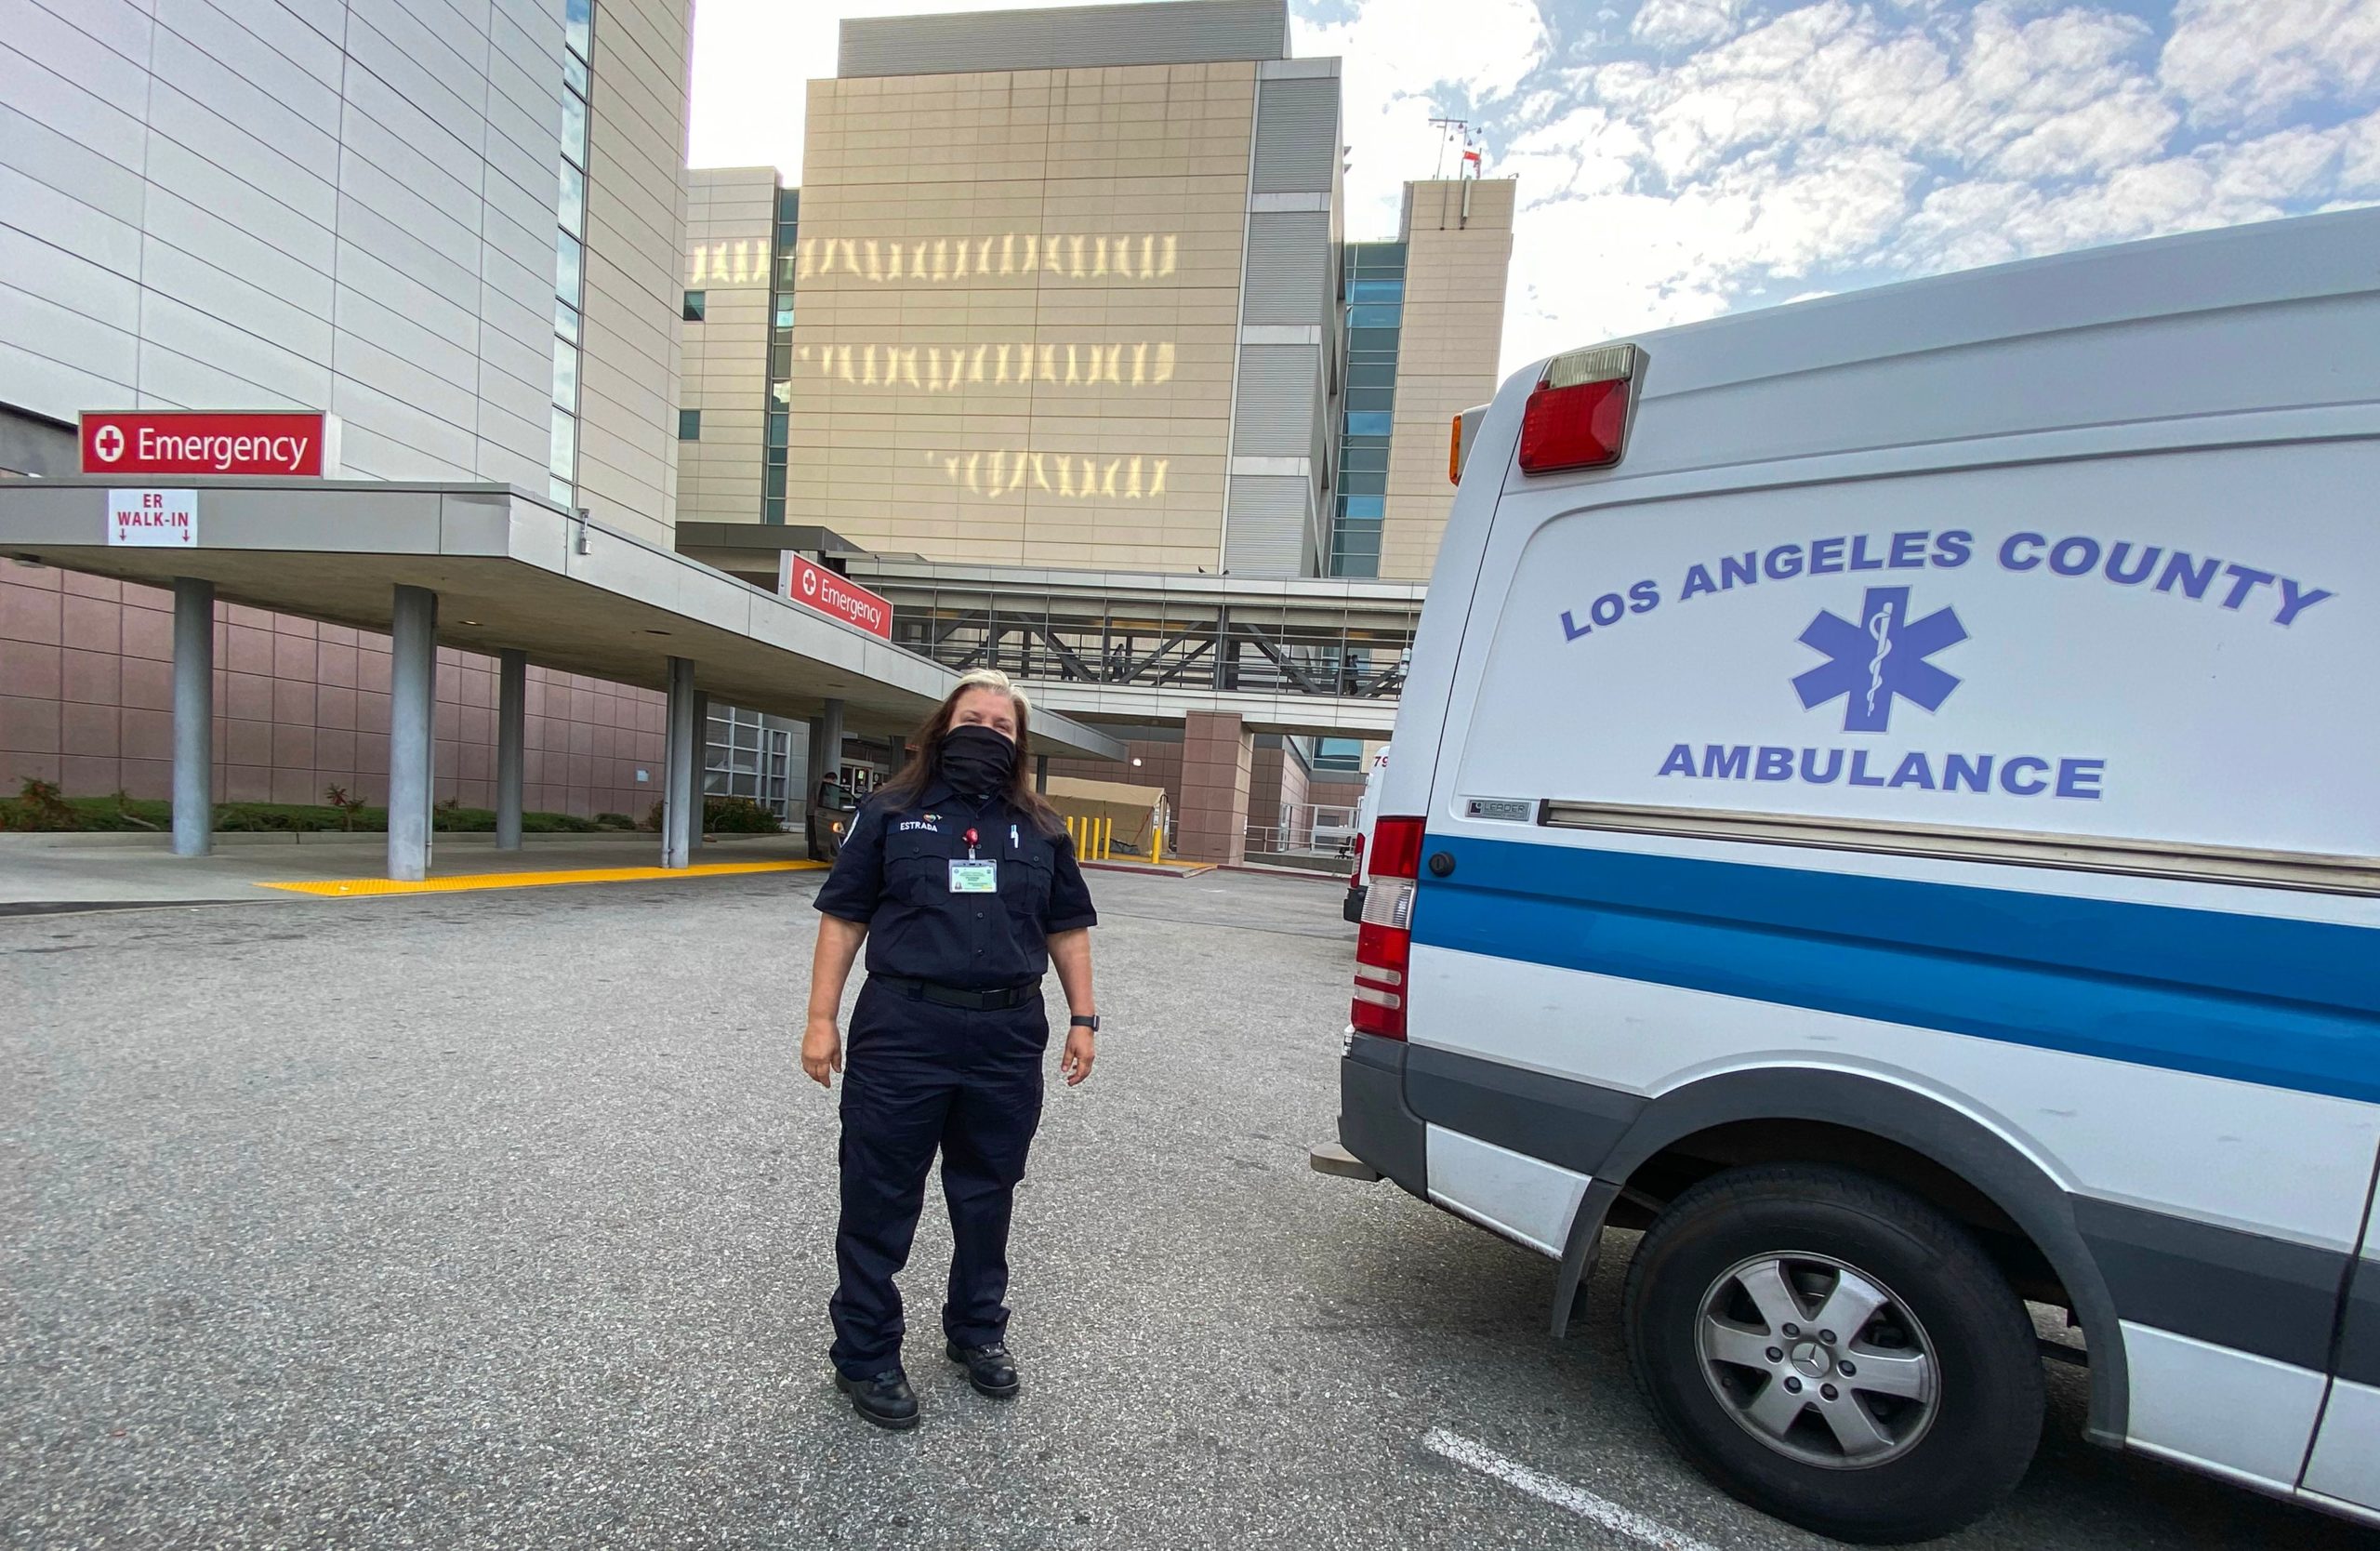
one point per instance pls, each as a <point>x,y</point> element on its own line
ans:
<point>1447,129</point>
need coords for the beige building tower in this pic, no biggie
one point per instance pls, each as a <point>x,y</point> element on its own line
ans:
<point>1458,238</point>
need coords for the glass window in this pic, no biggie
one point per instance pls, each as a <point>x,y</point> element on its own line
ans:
<point>776,486</point>
<point>785,310</point>
<point>567,259</point>
<point>574,73</point>
<point>562,457</point>
<point>565,375</point>
<point>577,24</point>
<point>1375,316</point>
<point>566,320</point>
<point>690,425</point>
<point>1373,375</point>
<point>1364,482</point>
<point>692,309</point>
<point>560,491</point>
<point>1367,341</point>
<point>1370,423</point>
<point>781,393</point>
<point>1337,754</point>
<point>572,211</point>
<point>1357,555</point>
<point>776,428</point>
<point>1362,509</point>
<point>574,127</point>
<point>1376,290</point>
<point>772,510</point>
<point>788,205</point>
<point>781,360</point>
<point>1380,255</point>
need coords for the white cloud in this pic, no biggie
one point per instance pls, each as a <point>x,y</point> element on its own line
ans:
<point>1406,63</point>
<point>1683,23</point>
<point>2248,60</point>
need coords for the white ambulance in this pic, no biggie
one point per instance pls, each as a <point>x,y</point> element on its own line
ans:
<point>1888,802</point>
<point>1367,815</point>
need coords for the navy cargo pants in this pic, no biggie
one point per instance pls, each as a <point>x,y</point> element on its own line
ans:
<point>919,1077</point>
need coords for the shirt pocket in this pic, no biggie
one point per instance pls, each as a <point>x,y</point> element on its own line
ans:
<point>1025,880</point>
<point>917,866</point>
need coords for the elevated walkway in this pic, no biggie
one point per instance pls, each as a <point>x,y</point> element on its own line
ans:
<point>1309,655</point>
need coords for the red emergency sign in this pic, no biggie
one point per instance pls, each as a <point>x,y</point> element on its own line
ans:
<point>267,444</point>
<point>830,594</point>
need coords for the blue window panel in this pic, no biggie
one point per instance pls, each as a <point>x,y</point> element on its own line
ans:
<point>1370,398</point>
<point>1337,754</point>
<point>1370,423</point>
<point>577,21</point>
<point>1364,482</point>
<point>1376,290</point>
<point>1382,341</point>
<point>1362,509</point>
<point>1377,315</point>
<point>1371,374</point>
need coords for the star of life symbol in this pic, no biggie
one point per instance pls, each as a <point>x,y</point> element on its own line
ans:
<point>108,442</point>
<point>1879,659</point>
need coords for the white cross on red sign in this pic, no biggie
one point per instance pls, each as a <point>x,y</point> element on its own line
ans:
<point>815,587</point>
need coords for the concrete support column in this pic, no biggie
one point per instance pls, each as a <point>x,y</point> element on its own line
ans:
<point>511,738</point>
<point>1218,758</point>
<point>830,732</point>
<point>413,685</point>
<point>194,716</point>
<point>701,762</point>
<point>1041,774</point>
<point>678,783</point>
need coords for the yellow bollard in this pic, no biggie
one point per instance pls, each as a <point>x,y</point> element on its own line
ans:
<point>1106,837</point>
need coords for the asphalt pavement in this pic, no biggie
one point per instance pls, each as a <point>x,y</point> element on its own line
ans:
<point>504,1220</point>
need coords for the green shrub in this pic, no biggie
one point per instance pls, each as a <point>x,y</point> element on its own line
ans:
<point>614,821</point>
<point>737,816</point>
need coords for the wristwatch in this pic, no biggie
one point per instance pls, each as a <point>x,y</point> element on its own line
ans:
<point>1084,1020</point>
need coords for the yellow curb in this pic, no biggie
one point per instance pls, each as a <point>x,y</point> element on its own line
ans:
<point>359,887</point>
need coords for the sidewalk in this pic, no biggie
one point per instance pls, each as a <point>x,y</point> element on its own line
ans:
<point>125,869</point>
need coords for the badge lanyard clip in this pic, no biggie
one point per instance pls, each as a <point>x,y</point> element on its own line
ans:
<point>969,838</point>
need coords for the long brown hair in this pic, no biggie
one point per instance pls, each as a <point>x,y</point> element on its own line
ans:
<point>906,789</point>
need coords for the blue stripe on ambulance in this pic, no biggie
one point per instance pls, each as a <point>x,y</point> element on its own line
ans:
<point>2286,1004</point>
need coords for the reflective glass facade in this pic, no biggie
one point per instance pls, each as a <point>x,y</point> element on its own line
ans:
<point>1374,286</point>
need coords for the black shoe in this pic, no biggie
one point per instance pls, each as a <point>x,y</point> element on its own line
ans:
<point>885,1400</point>
<point>989,1369</point>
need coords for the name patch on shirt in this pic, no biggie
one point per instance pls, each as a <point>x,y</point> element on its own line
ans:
<point>926,825</point>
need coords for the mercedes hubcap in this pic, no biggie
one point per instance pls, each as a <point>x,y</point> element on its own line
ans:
<point>1818,1360</point>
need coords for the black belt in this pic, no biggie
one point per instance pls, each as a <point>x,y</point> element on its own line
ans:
<point>954,995</point>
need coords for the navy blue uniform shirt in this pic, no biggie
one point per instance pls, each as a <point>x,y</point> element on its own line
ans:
<point>894,876</point>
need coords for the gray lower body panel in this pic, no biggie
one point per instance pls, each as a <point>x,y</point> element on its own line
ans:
<point>1374,1122</point>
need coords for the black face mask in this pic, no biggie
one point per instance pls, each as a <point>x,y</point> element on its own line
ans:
<point>977,761</point>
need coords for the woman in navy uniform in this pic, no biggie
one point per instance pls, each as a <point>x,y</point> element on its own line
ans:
<point>963,884</point>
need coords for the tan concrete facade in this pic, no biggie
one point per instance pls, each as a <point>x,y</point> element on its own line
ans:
<point>731,217</point>
<point>1456,266</point>
<point>1217,768</point>
<point>627,447</point>
<point>1019,297</point>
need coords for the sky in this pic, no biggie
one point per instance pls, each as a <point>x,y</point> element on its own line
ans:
<point>1679,159</point>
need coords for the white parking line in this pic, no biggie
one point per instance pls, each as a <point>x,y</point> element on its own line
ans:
<point>1562,1494</point>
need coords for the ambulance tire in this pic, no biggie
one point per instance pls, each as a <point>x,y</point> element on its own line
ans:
<point>1945,1462</point>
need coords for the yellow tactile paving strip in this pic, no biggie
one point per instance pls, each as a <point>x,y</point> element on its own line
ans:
<point>335,888</point>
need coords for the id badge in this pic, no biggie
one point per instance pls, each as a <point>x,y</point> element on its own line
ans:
<point>974,877</point>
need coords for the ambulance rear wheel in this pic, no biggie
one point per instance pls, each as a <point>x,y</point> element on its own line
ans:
<point>1834,1351</point>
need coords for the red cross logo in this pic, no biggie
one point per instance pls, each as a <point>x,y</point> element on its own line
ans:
<point>108,444</point>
